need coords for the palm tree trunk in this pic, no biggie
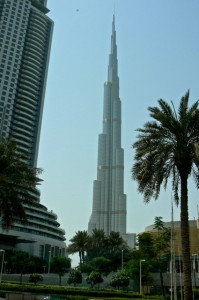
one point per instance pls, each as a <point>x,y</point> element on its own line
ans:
<point>185,240</point>
<point>80,259</point>
<point>83,258</point>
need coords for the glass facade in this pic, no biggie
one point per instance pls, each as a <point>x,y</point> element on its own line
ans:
<point>25,42</point>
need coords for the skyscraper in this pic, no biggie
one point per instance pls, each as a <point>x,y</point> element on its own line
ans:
<point>25,42</point>
<point>109,200</point>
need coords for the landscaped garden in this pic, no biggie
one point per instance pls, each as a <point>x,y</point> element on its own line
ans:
<point>71,293</point>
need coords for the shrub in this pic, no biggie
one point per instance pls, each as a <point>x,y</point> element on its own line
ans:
<point>94,278</point>
<point>120,279</point>
<point>35,278</point>
<point>75,276</point>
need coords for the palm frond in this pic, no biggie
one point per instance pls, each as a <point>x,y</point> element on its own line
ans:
<point>195,174</point>
<point>183,107</point>
<point>175,184</point>
<point>163,146</point>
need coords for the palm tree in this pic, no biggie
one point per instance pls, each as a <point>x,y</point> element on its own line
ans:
<point>17,180</point>
<point>97,244</point>
<point>167,147</point>
<point>116,249</point>
<point>98,238</point>
<point>115,243</point>
<point>79,244</point>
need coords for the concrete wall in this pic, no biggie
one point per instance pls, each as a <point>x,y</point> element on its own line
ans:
<point>23,296</point>
<point>53,279</point>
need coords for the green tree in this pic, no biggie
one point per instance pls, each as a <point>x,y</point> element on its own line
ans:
<point>144,251</point>
<point>145,245</point>
<point>35,265</point>
<point>159,224</point>
<point>153,248</point>
<point>35,278</point>
<point>16,181</point>
<point>168,146</point>
<point>120,279</point>
<point>60,265</point>
<point>161,245</point>
<point>75,277</point>
<point>114,246</point>
<point>19,261</point>
<point>111,247</point>
<point>133,270</point>
<point>97,244</point>
<point>94,278</point>
<point>79,244</point>
<point>99,264</point>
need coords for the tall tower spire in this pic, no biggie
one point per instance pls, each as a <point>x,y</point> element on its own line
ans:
<point>109,200</point>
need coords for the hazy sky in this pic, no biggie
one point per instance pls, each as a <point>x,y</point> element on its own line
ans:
<point>158,57</point>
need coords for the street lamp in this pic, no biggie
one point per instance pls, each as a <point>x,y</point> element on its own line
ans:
<point>141,275</point>
<point>2,261</point>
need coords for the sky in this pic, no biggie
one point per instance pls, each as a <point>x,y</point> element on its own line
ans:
<point>158,57</point>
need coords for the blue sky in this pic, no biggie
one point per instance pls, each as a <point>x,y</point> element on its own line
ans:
<point>158,57</point>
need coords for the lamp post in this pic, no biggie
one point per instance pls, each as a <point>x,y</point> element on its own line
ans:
<point>49,258</point>
<point>2,262</point>
<point>141,275</point>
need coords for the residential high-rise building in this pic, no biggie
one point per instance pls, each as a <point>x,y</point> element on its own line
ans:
<point>25,42</point>
<point>109,201</point>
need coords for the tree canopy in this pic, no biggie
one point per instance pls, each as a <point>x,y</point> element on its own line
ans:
<point>168,147</point>
<point>17,179</point>
<point>79,244</point>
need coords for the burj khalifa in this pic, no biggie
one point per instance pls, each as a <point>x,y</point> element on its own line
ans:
<point>109,200</point>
